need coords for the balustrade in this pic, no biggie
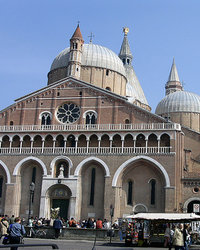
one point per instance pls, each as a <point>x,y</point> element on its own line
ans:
<point>85,150</point>
<point>92,127</point>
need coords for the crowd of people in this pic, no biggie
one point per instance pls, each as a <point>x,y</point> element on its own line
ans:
<point>11,230</point>
<point>178,236</point>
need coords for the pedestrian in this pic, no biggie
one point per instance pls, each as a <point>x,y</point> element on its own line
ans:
<point>16,232</point>
<point>167,236</point>
<point>4,227</point>
<point>99,224</point>
<point>57,225</point>
<point>72,222</point>
<point>178,239</point>
<point>186,237</point>
<point>12,219</point>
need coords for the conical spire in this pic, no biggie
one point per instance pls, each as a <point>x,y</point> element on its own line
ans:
<point>173,76</point>
<point>77,33</point>
<point>125,53</point>
<point>173,84</point>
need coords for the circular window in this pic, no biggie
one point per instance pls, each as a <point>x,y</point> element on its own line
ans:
<point>196,190</point>
<point>68,113</point>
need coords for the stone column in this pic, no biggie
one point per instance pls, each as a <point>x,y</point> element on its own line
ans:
<point>76,144</point>
<point>117,194</point>
<point>122,146</point>
<point>43,208</point>
<point>146,145</point>
<point>158,145</point>
<point>88,140</point>
<point>99,144</point>
<point>134,144</point>
<point>108,200</point>
<point>31,145</point>
<point>72,207</point>
<point>170,204</point>
<point>110,145</point>
<point>21,141</point>
<point>65,143</point>
<point>10,145</point>
<point>43,140</point>
<point>54,144</point>
<point>10,206</point>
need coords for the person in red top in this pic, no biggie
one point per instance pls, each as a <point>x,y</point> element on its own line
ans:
<point>99,224</point>
<point>72,223</point>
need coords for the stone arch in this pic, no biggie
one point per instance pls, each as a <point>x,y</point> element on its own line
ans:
<point>40,115</point>
<point>88,111</point>
<point>185,206</point>
<point>53,162</point>
<point>58,195</point>
<point>166,134</point>
<point>126,163</point>
<point>18,166</point>
<point>80,165</point>
<point>7,171</point>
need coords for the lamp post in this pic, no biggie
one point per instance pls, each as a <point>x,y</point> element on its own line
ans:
<point>111,216</point>
<point>31,189</point>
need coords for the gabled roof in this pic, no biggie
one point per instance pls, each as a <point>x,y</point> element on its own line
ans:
<point>91,86</point>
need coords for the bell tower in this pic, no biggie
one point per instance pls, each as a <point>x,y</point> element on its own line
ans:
<point>75,55</point>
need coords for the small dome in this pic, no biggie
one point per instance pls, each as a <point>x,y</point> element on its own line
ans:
<point>179,101</point>
<point>93,55</point>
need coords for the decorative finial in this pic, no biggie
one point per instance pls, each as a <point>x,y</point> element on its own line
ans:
<point>78,22</point>
<point>91,36</point>
<point>125,30</point>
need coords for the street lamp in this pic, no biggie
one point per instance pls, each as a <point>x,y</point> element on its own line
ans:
<point>31,189</point>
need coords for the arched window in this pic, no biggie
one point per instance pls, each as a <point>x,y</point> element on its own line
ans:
<point>71,142</point>
<point>140,140</point>
<point>130,193</point>
<point>153,191</point>
<point>1,186</point>
<point>45,118</point>
<point>92,187</point>
<point>34,174</point>
<point>108,88</point>
<point>127,121</point>
<point>165,140</point>
<point>90,118</point>
<point>33,180</point>
<point>75,45</point>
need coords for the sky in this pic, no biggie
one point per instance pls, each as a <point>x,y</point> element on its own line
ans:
<point>33,33</point>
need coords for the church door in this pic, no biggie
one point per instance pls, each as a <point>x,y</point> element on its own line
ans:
<point>63,204</point>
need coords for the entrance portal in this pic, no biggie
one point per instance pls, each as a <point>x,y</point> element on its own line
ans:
<point>59,196</point>
<point>63,204</point>
<point>194,207</point>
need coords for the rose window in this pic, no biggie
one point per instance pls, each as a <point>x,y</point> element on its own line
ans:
<point>68,113</point>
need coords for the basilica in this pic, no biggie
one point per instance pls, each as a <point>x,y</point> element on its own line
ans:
<point>88,141</point>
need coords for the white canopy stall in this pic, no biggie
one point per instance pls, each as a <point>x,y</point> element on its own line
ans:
<point>165,216</point>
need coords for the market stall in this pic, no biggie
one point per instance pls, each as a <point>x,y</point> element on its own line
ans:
<point>150,227</point>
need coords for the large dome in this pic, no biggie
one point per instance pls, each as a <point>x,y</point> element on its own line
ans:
<point>93,55</point>
<point>179,101</point>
